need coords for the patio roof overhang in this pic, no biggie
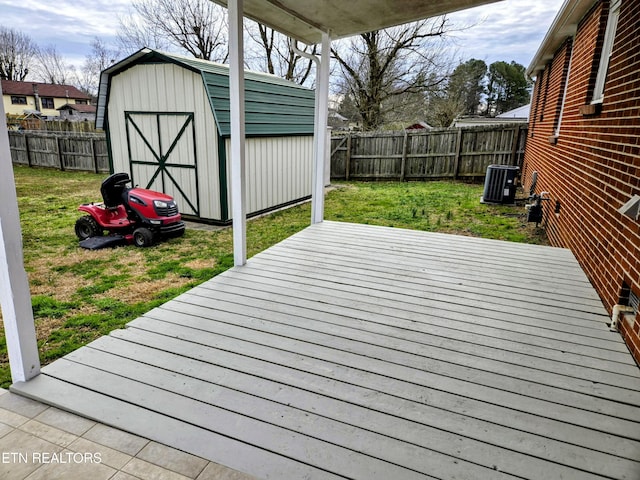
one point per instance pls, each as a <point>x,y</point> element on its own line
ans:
<point>306,20</point>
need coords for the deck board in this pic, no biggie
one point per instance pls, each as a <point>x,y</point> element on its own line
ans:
<point>372,305</point>
<point>487,269</point>
<point>446,411</point>
<point>351,351</point>
<point>447,352</point>
<point>593,412</point>
<point>406,301</point>
<point>394,332</point>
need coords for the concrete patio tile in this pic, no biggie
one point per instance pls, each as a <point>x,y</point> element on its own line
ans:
<point>5,429</point>
<point>110,457</point>
<point>172,459</point>
<point>17,451</point>
<point>65,421</point>
<point>48,433</point>
<point>148,471</point>
<point>215,471</point>
<point>123,476</point>
<point>22,405</point>
<point>11,418</point>
<point>116,439</point>
<point>70,467</point>
<point>45,443</point>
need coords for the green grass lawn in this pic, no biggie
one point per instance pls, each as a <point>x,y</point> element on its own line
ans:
<point>79,295</point>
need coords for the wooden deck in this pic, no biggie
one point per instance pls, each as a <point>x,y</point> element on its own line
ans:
<point>351,351</point>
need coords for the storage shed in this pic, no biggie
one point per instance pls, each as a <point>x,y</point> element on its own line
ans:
<point>167,122</point>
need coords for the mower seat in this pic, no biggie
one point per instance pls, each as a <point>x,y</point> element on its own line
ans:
<point>113,188</point>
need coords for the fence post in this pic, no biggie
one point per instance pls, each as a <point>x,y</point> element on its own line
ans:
<point>403,164</point>
<point>514,146</point>
<point>347,158</point>
<point>456,163</point>
<point>26,148</point>
<point>60,161</point>
<point>93,155</point>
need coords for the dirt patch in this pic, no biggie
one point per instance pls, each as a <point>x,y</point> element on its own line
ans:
<point>48,283</point>
<point>143,291</point>
<point>200,264</point>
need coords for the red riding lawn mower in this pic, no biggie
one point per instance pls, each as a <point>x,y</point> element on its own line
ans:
<point>129,215</point>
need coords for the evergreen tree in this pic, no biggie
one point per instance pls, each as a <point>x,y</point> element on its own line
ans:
<point>508,87</point>
<point>467,85</point>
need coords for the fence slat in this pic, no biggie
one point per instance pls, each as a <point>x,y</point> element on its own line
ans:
<point>456,162</point>
<point>347,159</point>
<point>444,153</point>
<point>403,165</point>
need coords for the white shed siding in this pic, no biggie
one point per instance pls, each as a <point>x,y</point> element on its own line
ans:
<point>278,170</point>
<point>168,88</point>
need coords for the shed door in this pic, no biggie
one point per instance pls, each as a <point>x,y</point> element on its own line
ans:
<point>162,155</point>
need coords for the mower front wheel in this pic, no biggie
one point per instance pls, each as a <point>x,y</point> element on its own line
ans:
<point>143,237</point>
<point>87,227</point>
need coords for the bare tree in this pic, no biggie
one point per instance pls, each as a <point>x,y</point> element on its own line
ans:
<point>134,33</point>
<point>100,58</point>
<point>382,64</point>
<point>51,66</point>
<point>443,108</point>
<point>197,27</point>
<point>273,55</point>
<point>17,52</point>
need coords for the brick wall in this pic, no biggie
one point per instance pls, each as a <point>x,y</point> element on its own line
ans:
<point>593,167</point>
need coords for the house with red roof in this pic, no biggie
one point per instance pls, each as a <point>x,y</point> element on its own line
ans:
<point>20,98</point>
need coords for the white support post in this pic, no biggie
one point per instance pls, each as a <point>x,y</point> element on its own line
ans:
<point>236,91</point>
<point>320,131</point>
<point>15,299</point>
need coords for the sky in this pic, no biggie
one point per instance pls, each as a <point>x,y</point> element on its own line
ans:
<point>510,30</point>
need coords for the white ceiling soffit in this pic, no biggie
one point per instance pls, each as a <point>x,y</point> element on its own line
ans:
<point>304,20</point>
<point>564,26</point>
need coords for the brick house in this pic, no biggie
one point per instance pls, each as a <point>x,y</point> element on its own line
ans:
<point>584,142</point>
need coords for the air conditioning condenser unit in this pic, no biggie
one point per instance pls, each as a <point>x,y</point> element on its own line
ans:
<point>500,184</point>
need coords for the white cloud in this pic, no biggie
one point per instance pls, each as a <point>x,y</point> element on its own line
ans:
<point>69,25</point>
<point>507,30</point>
<point>63,22</point>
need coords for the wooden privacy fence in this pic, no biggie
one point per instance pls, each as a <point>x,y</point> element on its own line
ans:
<point>452,153</point>
<point>87,152</point>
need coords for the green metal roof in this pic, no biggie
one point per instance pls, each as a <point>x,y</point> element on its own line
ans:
<point>273,106</point>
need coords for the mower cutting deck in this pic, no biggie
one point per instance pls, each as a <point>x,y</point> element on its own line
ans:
<point>128,215</point>
<point>105,241</point>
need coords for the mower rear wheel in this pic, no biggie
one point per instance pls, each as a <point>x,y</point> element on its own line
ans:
<point>143,237</point>
<point>87,227</point>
